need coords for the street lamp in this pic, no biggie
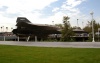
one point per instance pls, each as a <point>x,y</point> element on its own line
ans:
<point>92,26</point>
<point>53,22</point>
<point>83,24</point>
<point>77,23</point>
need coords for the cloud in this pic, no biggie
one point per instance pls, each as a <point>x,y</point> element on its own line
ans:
<point>25,5</point>
<point>32,9</point>
<point>74,3</point>
<point>57,18</point>
<point>55,9</point>
<point>70,5</point>
<point>11,9</point>
<point>71,10</point>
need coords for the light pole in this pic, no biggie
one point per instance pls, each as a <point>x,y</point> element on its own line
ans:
<point>77,23</point>
<point>6,29</point>
<point>92,27</point>
<point>1,29</point>
<point>53,22</point>
<point>98,33</point>
<point>3,33</point>
<point>83,24</point>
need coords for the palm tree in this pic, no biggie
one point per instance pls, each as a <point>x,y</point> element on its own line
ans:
<point>6,29</point>
<point>1,29</point>
<point>11,28</point>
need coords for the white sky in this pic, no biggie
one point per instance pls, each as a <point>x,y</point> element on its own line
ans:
<point>41,11</point>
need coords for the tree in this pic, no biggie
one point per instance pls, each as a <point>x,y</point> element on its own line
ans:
<point>66,30</point>
<point>88,28</point>
<point>1,29</point>
<point>6,29</point>
<point>59,26</point>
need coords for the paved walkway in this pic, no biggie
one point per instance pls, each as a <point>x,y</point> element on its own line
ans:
<point>54,44</point>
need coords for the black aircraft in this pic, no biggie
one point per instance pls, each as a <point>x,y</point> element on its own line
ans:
<point>25,29</point>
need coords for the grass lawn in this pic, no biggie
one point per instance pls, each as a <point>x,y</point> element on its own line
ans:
<point>26,54</point>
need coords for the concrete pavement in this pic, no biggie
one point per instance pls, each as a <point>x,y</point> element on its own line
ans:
<point>54,44</point>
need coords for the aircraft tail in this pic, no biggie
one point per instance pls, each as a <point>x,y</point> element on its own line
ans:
<point>22,19</point>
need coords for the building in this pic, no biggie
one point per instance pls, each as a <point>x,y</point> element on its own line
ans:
<point>80,35</point>
<point>9,36</point>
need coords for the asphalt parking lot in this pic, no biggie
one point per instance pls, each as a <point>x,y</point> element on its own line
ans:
<point>54,44</point>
